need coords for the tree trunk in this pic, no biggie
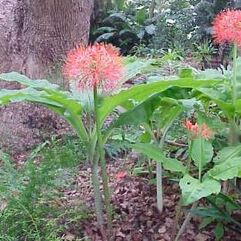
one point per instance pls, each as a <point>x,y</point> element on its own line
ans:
<point>39,33</point>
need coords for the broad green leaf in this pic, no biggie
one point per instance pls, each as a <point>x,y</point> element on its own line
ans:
<point>140,113</point>
<point>237,106</point>
<point>102,30</point>
<point>173,165</point>
<point>66,100</point>
<point>27,94</point>
<point>58,101</point>
<point>168,111</point>
<point>210,74</point>
<point>210,212</point>
<point>139,93</point>
<point>134,66</point>
<point>193,189</point>
<point>201,152</point>
<point>226,170</point>
<point>221,96</point>
<point>168,108</point>
<point>227,153</point>
<point>150,150</point>
<point>24,80</point>
<point>153,152</point>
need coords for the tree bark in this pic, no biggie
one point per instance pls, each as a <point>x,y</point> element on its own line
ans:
<point>39,33</point>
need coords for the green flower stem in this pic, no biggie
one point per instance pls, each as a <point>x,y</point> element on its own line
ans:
<point>159,172</point>
<point>107,197</point>
<point>233,127</point>
<point>234,79</point>
<point>189,161</point>
<point>159,186</point>
<point>97,195</point>
<point>93,158</point>
<point>200,162</point>
<point>233,136</point>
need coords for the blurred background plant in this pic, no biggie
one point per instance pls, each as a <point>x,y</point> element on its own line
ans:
<point>149,27</point>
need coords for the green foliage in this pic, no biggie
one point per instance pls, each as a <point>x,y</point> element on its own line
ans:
<point>175,29</point>
<point>29,195</point>
<point>154,105</point>
<point>141,92</point>
<point>124,30</point>
<point>219,210</point>
<point>193,189</point>
<point>201,152</point>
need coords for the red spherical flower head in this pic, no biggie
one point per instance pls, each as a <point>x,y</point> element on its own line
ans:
<point>98,65</point>
<point>227,27</point>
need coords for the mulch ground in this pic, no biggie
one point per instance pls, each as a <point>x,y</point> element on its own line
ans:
<point>136,217</point>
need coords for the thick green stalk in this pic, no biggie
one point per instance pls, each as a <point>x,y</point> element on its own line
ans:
<point>159,186</point>
<point>97,196</point>
<point>233,128</point>
<point>200,162</point>
<point>104,173</point>
<point>234,79</point>
<point>233,136</point>
<point>93,158</point>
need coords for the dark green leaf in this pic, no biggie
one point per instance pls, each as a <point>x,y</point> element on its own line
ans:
<point>219,231</point>
<point>105,37</point>
<point>205,222</point>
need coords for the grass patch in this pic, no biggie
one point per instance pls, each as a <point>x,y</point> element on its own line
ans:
<point>31,196</point>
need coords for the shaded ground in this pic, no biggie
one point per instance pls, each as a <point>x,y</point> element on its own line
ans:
<point>136,217</point>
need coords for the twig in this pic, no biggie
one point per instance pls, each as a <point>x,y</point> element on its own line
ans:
<point>186,222</point>
<point>173,143</point>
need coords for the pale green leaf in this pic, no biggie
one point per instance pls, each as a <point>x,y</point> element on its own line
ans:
<point>24,80</point>
<point>150,150</point>
<point>226,170</point>
<point>201,152</point>
<point>173,165</point>
<point>193,189</point>
<point>226,153</point>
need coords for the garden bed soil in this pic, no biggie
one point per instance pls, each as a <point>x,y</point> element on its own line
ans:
<point>136,217</point>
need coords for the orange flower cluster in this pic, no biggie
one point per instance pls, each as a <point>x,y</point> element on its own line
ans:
<point>195,130</point>
<point>98,65</point>
<point>227,27</point>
